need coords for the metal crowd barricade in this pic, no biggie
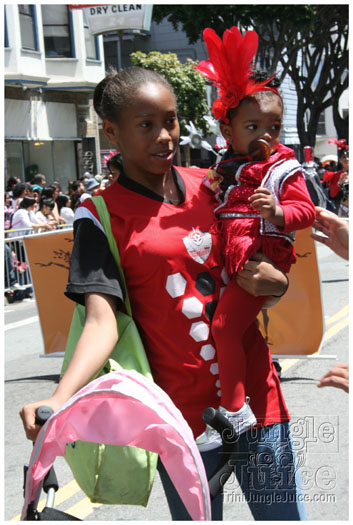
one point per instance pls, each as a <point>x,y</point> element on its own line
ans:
<point>16,268</point>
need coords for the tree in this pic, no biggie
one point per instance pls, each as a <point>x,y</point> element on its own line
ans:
<point>188,84</point>
<point>307,42</point>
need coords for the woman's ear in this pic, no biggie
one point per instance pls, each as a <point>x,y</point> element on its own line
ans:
<point>226,131</point>
<point>111,131</point>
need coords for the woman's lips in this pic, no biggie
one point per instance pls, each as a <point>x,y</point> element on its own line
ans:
<point>164,155</point>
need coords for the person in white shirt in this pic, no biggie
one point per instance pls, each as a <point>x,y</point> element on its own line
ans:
<point>44,213</point>
<point>21,219</point>
<point>65,210</point>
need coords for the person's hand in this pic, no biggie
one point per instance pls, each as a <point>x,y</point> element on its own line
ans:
<point>335,229</point>
<point>28,416</point>
<point>260,277</point>
<point>265,202</point>
<point>337,377</point>
<point>343,178</point>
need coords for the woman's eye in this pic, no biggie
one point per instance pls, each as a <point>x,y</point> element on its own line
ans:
<point>145,124</point>
<point>252,127</point>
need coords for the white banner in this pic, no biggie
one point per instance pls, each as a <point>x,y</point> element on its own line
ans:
<point>113,17</point>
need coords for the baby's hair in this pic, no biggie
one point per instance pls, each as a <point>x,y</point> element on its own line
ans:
<point>260,76</point>
<point>117,90</point>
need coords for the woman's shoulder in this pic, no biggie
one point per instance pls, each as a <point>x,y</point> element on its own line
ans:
<point>192,177</point>
<point>193,172</point>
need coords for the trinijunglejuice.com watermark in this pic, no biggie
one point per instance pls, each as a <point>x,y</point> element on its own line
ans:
<point>270,474</point>
<point>270,499</point>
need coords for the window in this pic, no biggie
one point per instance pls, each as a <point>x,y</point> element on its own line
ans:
<point>321,125</point>
<point>57,30</point>
<point>91,42</point>
<point>27,15</point>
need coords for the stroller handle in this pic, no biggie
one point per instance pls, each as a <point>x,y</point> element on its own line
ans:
<point>229,453</point>
<point>42,414</point>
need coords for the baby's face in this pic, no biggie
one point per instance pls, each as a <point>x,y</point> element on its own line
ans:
<point>259,118</point>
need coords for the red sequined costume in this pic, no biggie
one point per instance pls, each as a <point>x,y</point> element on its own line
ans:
<point>244,233</point>
<point>244,230</point>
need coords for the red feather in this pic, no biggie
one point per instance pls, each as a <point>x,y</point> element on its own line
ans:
<point>216,52</point>
<point>229,67</point>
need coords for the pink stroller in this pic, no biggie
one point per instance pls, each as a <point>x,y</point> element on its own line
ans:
<point>157,425</point>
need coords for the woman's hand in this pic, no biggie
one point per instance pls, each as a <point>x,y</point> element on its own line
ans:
<point>338,377</point>
<point>335,229</point>
<point>260,277</point>
<point>28,415</point>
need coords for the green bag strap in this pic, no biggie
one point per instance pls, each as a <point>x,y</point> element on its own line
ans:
<point>104,217</point>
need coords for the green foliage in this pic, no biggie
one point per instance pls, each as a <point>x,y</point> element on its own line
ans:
<point>194,18</point>
<point>188,84</point>
<point>307,42</point>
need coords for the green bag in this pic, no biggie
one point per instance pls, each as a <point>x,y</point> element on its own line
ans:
<point>112,474</point>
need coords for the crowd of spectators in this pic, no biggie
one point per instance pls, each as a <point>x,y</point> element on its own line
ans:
<point>36,207</point>
<point>334,178</point>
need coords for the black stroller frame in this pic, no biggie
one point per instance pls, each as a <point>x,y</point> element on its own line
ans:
<point>216,481</point>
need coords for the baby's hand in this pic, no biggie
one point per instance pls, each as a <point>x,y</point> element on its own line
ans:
<point>265,202</point>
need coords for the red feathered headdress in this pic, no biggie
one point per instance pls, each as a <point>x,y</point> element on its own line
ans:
<point>108,157</point>
<point>228,67</point>
<point>340,143</point>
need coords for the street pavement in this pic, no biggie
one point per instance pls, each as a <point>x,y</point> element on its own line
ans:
<point>319,416</point>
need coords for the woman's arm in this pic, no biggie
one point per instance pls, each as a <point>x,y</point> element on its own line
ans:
<point>98,338</point>
<point>260,277</point>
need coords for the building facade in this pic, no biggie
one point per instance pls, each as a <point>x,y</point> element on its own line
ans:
<point>164,38</point>
<point>52,64</point>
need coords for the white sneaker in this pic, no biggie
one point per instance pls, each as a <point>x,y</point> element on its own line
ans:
<point>208,440</point>
<point>243,419</point>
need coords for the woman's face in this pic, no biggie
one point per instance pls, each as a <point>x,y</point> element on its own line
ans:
<point>7,199</point>
<point>345,162</point>
<point>56,192</point>
<point>147,133</point>
<point>45,210</point>
<point>113,174</point>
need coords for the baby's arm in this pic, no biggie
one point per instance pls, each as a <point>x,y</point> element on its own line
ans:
<point>297,208</point>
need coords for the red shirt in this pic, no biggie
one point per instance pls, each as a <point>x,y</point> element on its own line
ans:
<point>331,178</point>
<point>173,268</point>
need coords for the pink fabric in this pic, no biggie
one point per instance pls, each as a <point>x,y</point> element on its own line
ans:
<point>139,414</point>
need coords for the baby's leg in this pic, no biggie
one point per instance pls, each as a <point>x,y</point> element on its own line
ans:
<point>236,310</point>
